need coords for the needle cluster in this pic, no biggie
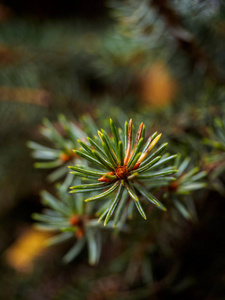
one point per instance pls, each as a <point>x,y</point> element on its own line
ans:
<point>124,163</point>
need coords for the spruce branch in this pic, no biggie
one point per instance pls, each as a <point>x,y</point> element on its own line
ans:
<point>125,164</point>
<point>61,138</point>
<point>69,219</point>
<point>187,180</point>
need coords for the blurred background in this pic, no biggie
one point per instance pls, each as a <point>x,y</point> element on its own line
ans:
<point>159,61</point>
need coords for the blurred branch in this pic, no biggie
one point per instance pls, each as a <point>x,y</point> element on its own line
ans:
<point>186,41</point>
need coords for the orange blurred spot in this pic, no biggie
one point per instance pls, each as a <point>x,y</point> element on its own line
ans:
<point>158,87</point>
<point>173,186</point>
<point>74,220</point>
<point>79,233</point>
<point>64,157</point>
<point>67,156</point>
<point>25,249</point>
<point>5,13</point>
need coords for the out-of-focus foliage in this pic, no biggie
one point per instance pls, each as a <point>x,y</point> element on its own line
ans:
<point>73,220</point>
<point>160,62</point>
<point>215,160</point>
<point>64,142</point>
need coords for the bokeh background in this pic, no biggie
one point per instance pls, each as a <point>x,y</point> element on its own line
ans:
<point>162,62</point>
